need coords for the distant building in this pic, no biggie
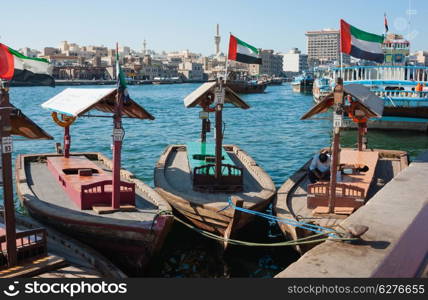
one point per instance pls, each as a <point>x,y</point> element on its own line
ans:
<point>421,57</point>
<point>62,60</point>
<point>294,61</point>
<point>271,64</point>
<point>29,52</point>
<point>191,71</point>
<point>396,49</point>
<point>324,47</point>
<point>50,51</point>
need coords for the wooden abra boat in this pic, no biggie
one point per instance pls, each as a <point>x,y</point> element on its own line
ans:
<point>59,256</point>
<point>198,178</point>
<point>328,203</point>
<point>89,197</point>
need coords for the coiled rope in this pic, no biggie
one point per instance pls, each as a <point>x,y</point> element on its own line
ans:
<point>308,226</point>
<point>320,231</point>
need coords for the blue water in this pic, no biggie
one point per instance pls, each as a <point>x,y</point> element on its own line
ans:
<point>270,131</point>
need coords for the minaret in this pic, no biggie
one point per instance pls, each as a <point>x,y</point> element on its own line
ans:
<point>217,41</point>
<point>144,47</point>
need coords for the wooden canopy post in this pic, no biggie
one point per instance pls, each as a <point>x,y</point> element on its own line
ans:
<point>205,124</point>
<point>337,119</point>
<point>118,134</point>
<point>6,159</point>
<point>67,141</point>
<point>362,131</point>
<point>218,138</point>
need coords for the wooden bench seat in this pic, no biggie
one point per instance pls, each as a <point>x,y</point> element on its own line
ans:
<point>200,154</point>
<point>87,184</point>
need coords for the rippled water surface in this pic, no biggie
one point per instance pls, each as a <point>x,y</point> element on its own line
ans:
<point>270,131</point>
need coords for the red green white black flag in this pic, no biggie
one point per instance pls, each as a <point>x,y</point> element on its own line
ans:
<point>21,69</point>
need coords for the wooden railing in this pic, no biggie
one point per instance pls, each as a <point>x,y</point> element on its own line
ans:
<point>231,179</point>
<point>342,190</point>
<point>99,187</point>
<point>30,244</point>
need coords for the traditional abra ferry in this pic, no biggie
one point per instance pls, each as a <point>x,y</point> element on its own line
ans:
<point>355,174</point>
<point>89,197</point>
<point>197,178</point>
<point>403,88</point>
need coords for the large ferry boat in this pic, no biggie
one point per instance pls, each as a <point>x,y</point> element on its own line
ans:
<point>402,86</point>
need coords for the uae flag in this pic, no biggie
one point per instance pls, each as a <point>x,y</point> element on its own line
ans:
<point>360,44</point>
<point>243,52</point>
<point>21,69</point>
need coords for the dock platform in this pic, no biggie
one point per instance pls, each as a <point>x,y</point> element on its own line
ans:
<point>394,217</point>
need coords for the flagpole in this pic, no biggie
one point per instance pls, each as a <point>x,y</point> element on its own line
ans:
<point>117,137</point>
<point>341,52</point>
<point>227,60</point>
<point>6,170</point>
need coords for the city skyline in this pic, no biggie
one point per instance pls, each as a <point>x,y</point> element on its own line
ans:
<point>175,26</point>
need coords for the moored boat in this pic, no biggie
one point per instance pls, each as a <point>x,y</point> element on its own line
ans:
<point>89,197</point>
<point>402,86</point>
<point>355,175</point>
<point>303,83</point>
<point>247,86</point>
<point>77,260</point>
<point>198,178</point>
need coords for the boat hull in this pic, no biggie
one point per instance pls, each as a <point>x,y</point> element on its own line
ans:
<point>129,244</point>
<point>213,215</point>
<point>245,88</point>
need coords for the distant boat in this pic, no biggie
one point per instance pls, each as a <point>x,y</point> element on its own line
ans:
<point>303,83</point>
<point>247,86</point>
<point>275,81</point>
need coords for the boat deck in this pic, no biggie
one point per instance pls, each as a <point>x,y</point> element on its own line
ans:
<point>294,204</point>
<point>47,189</point>
<point>178,175</point>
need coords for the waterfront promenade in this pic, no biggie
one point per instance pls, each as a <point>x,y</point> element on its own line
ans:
<point>396,243</point>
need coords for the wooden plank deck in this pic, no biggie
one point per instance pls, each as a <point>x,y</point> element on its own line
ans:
<point>47,189</point>
<point>388,214</point>
<point>178,175</point>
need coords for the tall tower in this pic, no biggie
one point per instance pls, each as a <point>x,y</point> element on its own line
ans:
<point>144,47</point>
<point>217,41</point>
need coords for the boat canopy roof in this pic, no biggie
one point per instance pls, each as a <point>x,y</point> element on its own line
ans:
<point>24,126</point>
<point>77,101</point>
<point>195,97</point>
<point>368,101</point>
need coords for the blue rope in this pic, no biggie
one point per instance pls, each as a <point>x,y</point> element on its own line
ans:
<point>291,222</point>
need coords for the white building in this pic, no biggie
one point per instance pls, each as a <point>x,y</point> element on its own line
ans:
<point>294,61</point>
<point>191,71</point>
<point>324,47</point>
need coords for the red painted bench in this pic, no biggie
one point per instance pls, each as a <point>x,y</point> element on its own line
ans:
<point>86,183</point>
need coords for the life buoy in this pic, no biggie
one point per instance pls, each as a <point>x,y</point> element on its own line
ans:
<point>352,116</point>
<point>207,101</point>
<point>65,120</point>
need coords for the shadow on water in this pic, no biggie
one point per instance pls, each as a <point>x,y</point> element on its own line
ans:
<point>188,254</point>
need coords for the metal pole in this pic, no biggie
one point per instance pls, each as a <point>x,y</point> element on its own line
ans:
<point>204,130</point>
<point>338,107</point>
<point>362,129</point>
<point>67,141</point>
<point>117,147</point>
<point>6,158</point>
<point>218,138</point>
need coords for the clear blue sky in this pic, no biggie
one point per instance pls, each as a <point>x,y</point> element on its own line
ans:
<point>190,24</point>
